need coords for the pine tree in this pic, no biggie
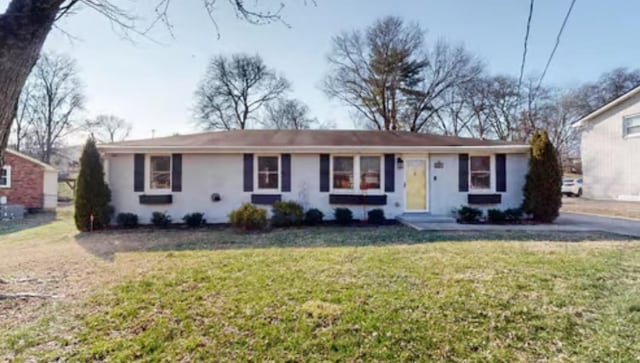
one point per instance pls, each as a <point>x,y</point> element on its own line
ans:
<point>542,190</point>
<point>92,193</point>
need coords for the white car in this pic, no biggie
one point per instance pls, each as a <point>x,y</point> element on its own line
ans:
<point>572,187</point>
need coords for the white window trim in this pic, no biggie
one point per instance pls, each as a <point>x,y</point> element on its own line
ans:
<point>8,169</point>
<point>147,173</point>
<point>625,126</point>
<point>256,176</point>
<point>492,178</point>
<point>356,175</point>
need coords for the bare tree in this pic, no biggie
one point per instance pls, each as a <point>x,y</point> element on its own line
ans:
<point>234,90</point>
<point>608,87</point>
<point>24,116</point>
<point>448,67</point>
<point>25,25</point>
<point>56,99</point>
<point>474,95</point>
<point>498,102</point>
<point>391,79</point>
<point>370,69</point>
<point>456,116</point>
<point>108,128</point>
<point>287,114</point>
<point>555,115</point>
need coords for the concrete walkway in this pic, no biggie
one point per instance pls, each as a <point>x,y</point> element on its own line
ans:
<point>567,222</point>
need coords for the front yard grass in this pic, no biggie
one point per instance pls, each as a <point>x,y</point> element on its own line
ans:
<point>347,294</point>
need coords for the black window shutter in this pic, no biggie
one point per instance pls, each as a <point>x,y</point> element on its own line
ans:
<point>138,172</point>
<point>389,172</point>
<point>247,173</point>
<point>463,172</point>
<point>501,172</point>
<point>285,173</point>
<point>176,172</point>
<point>324,172</point>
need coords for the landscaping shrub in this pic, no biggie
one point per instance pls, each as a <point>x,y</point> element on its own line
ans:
<point>160,219</point>
<point>313,217</point>
<point>285,214</point>
<point>542,190</point>
<point>127,220</point>
<point>376,216</point>
<point>194,220</point>
<point>92,193</point>
<point>513,215</point>
<point>469,215</point>
<point>248,217</point>
<point>343,216</point>
<point>496,216</point>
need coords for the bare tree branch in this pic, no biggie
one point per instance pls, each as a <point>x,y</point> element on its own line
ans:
<point>287,114</point>
<point>234,90</point>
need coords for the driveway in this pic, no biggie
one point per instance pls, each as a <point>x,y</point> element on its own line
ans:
<point>609,208</point>
<point>626,227</point>
<point>567,222</point>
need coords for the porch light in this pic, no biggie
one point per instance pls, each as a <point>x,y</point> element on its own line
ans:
<point>400,163</point>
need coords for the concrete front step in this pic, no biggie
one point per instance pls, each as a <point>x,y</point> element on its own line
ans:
<point>425,218</point>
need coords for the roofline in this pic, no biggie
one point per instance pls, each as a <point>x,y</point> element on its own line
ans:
<point>599,111</point>
<point>33,160</point>
<point>121,149</point>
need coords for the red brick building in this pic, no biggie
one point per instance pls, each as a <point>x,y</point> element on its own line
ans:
<point>28,182</point>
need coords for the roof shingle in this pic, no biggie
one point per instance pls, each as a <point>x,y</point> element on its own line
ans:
<point>308,138</point>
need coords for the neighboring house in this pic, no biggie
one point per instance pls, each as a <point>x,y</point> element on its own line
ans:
<point>28,182</point>
<point>400,172</point>
<point>610,149</point>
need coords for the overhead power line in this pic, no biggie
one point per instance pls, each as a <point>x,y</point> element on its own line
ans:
<point>555,47</point>
<point>526,41</point>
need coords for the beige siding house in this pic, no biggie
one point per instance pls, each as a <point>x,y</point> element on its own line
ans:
<point>610,149</point>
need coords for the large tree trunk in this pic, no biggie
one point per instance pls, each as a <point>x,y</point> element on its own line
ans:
<point>23,29</point>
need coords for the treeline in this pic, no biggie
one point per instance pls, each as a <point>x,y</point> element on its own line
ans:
<point>390,75</point>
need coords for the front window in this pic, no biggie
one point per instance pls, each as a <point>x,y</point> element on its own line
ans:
<point>5,177</point>
<point>268,172</point>
<point>480,172</point>
<point>343,172</point>
<point>369,172</point>
<point>160,172</point>
<point>632,126</point>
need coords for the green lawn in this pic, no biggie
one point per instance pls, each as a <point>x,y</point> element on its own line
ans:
<point>444,301</point>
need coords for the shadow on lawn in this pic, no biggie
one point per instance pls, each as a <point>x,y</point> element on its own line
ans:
<point>29,221</point>
<point>106,244</point>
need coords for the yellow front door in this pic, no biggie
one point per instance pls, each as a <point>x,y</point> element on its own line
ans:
<point>416,185</point>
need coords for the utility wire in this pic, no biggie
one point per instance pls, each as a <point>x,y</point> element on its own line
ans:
<point>526,41</point>
<point>555,47</point>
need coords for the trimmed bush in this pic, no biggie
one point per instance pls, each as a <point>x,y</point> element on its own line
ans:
<point>127,220</point>
<point>469,215</point>
<point>160,219</point>
<point>343,216</point>
<point>313,217</point>
<point>496,216</point>
<point>248,217</point>
<point>542,190</point>
<point>513,215</point>
<point>194,220</point>
<point>92,193</point>
<point>285,214</point>
<point>376,216</point>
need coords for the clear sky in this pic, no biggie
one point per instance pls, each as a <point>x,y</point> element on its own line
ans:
<point>152,85</point>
